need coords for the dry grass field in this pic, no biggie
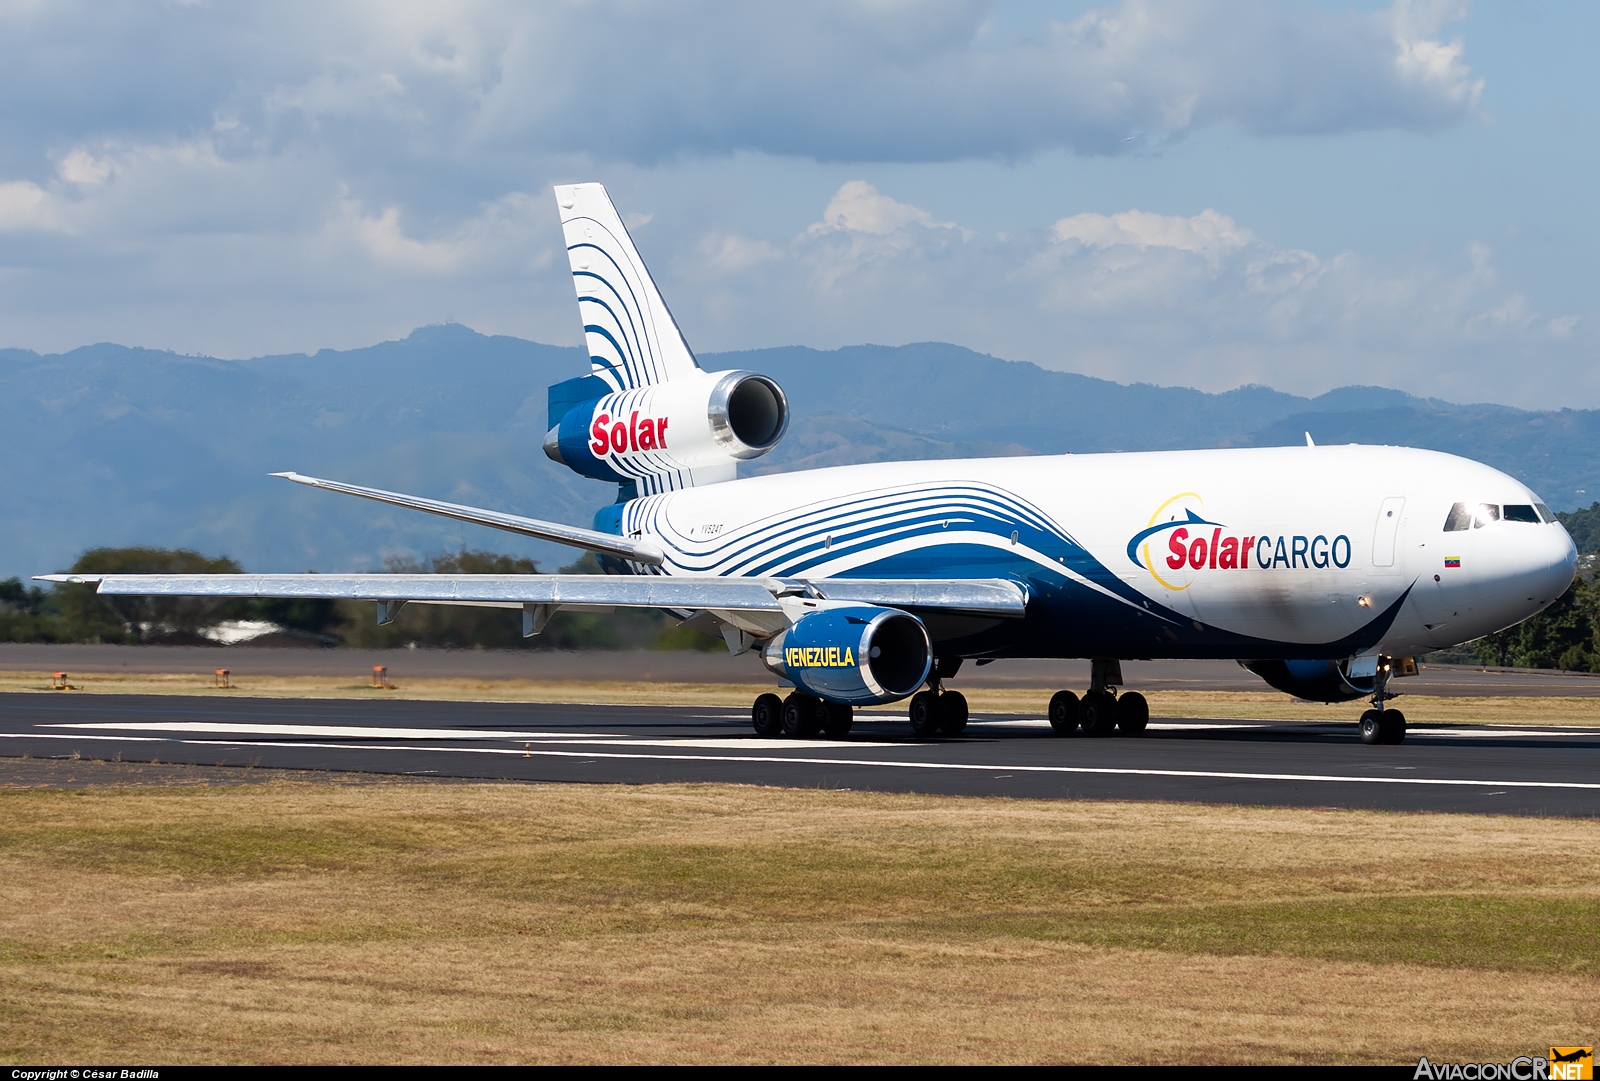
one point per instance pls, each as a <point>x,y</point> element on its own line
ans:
<point>405,922</point>
<point>1223,705</point>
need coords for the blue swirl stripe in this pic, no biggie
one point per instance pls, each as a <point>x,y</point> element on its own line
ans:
<point>642,365</point>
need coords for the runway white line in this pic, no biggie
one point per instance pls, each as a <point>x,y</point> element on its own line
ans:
<point>348,731</point>
<point>712,742</point>
<point>1333,778</point>
<point>708,743</point>
<point>1154,726</point>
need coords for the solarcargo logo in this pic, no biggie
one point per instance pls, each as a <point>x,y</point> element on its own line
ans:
<point>1180,542</point>
<point>627,436</point>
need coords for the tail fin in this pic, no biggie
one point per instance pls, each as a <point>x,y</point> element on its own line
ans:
<point>647,416</point>
<point>633,339</point>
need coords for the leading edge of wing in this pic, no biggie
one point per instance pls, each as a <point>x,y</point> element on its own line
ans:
<point>986,596</point>
<point>636,551</point>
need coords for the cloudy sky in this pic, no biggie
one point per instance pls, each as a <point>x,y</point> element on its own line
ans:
<point>1203,193</point>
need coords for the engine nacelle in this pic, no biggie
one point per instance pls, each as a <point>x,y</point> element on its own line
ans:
<point>857,654</point>
<point>1315,681</point>
<point>702,424</point>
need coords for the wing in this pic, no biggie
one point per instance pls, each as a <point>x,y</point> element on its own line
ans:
<point>757,606</point>
<point>637,551</point>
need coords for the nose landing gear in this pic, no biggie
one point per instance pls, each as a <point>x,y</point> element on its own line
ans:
<point>1383,726</point>
<point>1380,725</point>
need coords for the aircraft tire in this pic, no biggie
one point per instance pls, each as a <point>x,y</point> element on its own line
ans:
<point>766,716</point>
<point>1371,727</point>
<point>837,719</point>
<point>1098,714</point>
<point>1393,726</point>
<point>952,713</point>
<point>924,714</point>
<point>802,716</point>
<point>1133,714</point>
<point>1064,713</point>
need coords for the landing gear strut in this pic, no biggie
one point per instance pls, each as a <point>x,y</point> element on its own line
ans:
<point>1101,711</point>
<point>1380,725</point>
<point>936,711</point>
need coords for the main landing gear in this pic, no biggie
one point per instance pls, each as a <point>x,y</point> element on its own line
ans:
<point>1101,711</point>
<point>1380,725</point>
<point>800,716</point>
<point>936,711</point>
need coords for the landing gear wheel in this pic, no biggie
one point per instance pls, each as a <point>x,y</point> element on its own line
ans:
<point>767,716</point>
<point>952,713</point>
<point>1371,727</point>
<point>925,714</point>
<point>1064,713</point>
<point>1392,726</point>
<point>1098,714</point>
<point>1133,713</point>
<point>802,716</point>
<point>837,719</point>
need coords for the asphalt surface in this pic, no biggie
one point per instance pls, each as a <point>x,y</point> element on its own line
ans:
<point>1530,770</point>
<point>715,666</point>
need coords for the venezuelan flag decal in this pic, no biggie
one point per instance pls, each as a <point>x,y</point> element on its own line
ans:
<point>1452,561</point>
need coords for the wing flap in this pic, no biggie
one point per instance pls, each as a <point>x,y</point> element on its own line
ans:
<point>999,597</point>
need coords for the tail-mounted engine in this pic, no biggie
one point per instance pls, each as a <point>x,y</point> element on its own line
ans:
<point>859,654</point>
<point>693,429</point>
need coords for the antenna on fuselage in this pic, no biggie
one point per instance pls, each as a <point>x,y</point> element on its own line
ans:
<point>1309,443</point>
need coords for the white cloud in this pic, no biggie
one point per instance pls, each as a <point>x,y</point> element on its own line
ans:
<point>923,80</point>
<point>859,207</point>
<point>314,174</point>
<point>1207,233</point>
<point>26,207</point>
<point>729,253</point>
<point>1138,296</point>
<point>82,167</point>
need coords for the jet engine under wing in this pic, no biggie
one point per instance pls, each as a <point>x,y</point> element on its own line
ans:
<point>637,551</point>
<point>982,596</point>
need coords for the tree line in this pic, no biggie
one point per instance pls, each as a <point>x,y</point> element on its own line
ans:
<point>1566,635</point>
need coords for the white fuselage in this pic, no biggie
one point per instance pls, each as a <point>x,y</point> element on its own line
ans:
<point>1301,546</point>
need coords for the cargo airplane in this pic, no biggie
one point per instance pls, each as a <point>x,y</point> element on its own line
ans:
<point>1322,569</point>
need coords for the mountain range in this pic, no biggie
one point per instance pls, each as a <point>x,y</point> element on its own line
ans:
<point>112,445</point>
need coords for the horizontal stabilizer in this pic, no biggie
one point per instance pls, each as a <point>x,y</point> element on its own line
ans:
<point>605,543</point>
<point>995,597</point>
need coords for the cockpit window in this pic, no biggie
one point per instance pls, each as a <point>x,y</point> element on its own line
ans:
<point>1544,513</point>
<point>1486,513</point>
<point>1460,518</point>
<point>1521,512</point>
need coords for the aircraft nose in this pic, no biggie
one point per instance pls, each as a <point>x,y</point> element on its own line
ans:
<point>1553,563</point>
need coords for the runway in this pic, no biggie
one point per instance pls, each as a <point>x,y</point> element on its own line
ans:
<point>688,666</point>
<point>1528,770</point>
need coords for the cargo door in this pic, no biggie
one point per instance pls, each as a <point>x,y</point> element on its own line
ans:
<point>1385,534</point>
